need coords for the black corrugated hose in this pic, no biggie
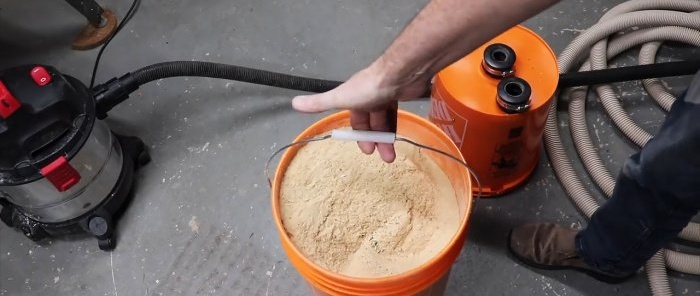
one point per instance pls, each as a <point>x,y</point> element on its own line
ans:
<point>231,72</point>
<point>117,90</point>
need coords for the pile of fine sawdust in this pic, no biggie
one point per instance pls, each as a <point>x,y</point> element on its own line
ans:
<point>356,215</point>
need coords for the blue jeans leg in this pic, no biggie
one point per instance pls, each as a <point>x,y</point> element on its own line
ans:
<point>657,194</point>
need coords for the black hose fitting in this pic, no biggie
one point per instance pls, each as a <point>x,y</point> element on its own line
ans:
<point>111,93</point>
<point>499,60</point>
<point>513,95</point>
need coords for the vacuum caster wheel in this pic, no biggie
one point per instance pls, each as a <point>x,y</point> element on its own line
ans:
<point>102,229</point>
<point>107,244</point>
<point>143,159</point>
<point>33,232</point>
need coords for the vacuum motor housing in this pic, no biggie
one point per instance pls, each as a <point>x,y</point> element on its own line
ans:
<point>494,102</point>
<point>61,169</point>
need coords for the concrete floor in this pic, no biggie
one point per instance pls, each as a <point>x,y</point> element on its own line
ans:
<point>200,222</point>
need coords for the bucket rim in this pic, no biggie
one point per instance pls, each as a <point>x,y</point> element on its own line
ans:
<point>323,276</point>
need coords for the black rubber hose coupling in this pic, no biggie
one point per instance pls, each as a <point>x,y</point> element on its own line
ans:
<point>499,60</point>
<point>514,95</point>
<point>111,93</point>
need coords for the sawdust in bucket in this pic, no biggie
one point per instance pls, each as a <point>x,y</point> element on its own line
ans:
<point>358,216</point>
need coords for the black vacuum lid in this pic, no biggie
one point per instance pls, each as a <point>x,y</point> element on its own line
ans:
<point>43,115</point>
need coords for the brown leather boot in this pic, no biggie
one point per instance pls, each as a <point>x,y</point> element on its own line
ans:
<point>550,246</point>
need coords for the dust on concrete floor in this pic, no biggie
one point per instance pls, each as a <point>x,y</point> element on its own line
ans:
<point>200,220</point>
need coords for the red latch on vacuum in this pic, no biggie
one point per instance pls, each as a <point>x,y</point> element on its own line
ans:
<point>61,174</point>
<point>40,75</point>
<point>8,102</point>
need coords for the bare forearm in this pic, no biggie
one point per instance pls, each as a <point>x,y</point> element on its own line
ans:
<point>446,30</point>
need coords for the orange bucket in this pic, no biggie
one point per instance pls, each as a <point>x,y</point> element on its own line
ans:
<point>503,148</point>
<point>428,279</point>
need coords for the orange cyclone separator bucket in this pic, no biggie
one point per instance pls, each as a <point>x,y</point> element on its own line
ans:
<point>427,279</point>
<point>502,148</point>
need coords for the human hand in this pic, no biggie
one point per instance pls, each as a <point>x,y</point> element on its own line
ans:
<point>372,96</point>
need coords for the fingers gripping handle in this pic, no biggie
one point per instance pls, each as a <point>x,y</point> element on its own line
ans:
<point>363,136</point>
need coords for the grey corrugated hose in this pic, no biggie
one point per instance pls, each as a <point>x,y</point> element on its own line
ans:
<point>661,20</point>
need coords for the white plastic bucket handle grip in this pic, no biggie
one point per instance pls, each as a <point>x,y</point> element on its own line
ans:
<point>363,136</point>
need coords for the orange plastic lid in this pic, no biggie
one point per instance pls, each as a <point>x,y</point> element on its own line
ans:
<point>466,81</point>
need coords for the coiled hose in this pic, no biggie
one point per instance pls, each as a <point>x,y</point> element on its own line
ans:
<point>661,20</point>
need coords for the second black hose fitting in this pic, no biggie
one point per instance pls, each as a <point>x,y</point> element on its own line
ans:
<point>513,95</point>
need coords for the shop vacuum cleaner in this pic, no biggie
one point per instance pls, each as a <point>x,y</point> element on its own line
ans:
<point>63,172</point>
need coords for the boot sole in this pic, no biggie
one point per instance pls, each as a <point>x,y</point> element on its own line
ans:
<point>596,275</point>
